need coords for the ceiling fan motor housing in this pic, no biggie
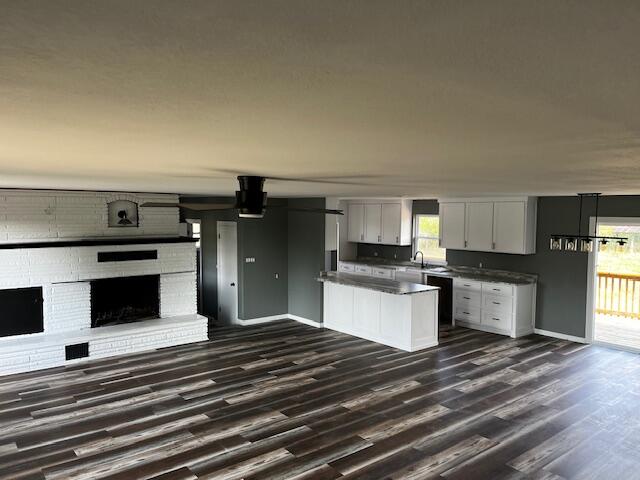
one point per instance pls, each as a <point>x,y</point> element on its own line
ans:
<point>251,199</point>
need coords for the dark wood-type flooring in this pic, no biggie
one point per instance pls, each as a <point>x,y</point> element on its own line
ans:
<point>285,401</point>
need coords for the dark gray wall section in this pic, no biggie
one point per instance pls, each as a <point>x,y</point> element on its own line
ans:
<point>274,241</point>
<point>562,276</point>
<point>260,294</point>
<point>425,207</point>
<point>306,259</point>
<point>208,248</point>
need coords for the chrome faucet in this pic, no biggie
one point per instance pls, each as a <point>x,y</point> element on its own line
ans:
<point>415,257</point>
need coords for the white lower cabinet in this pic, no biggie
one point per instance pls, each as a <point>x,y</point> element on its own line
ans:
<point>494,307</point>
<point>366,311</point>
<point>339,310</point>
<point>394,307</point>
<point>408,322</point>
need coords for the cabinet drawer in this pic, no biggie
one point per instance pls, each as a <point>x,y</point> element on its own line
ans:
<point>363,269</point>
<point>497,303</point>
<point>465,314</point>
<point>501,321</point>
<point>471,285</point>
<point>383,272</point>
<point>346,267</point>
<point>469,299</point>
<point>498,289</point>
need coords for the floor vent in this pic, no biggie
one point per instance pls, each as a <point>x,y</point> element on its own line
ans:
<point>79,350</point>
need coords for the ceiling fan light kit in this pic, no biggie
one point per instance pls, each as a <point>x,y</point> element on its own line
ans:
<point>584,243</point>
<point>251,201</point>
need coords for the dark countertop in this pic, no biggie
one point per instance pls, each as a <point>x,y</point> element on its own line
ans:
<point>379,284</point>
<point>469,273</point>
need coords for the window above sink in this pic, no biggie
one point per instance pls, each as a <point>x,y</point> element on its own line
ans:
<point>426,239</point>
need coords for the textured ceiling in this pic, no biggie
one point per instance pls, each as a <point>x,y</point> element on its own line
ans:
<point>424,98</point>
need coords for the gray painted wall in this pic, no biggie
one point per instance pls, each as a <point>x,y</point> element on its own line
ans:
<point>306,259</point>
<point>260,293</point>
<point>562,281</point>
<point>208,249</point>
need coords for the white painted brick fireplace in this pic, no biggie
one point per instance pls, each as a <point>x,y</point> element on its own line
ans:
<point>52,240</point>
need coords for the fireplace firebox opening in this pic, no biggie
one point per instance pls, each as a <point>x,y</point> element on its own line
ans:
<point>124,300</point>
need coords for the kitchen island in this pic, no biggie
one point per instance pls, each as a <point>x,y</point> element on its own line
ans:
<point>403,315</point>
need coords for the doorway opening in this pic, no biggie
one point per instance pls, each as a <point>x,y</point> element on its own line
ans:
<point>227,273</point>
<point>615,280</point>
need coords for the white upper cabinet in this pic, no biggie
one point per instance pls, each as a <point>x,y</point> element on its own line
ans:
<point>386,222</point>
<point>503,225</point>
<point>513,229</point>
<point>356,222</point>
<point>391,223</point>
<point>373,223</point>
<point>479,226</point>
<point>452,225</point>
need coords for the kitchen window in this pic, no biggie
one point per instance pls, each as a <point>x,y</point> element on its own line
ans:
<point>426,238</point>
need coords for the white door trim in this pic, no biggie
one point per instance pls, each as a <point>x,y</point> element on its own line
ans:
<point>219,253</point>
<point>591,285</point>
<point>592,274</point>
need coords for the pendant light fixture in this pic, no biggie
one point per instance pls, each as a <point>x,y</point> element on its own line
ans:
<point>584,243</point>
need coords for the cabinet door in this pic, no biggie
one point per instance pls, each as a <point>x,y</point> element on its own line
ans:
<point>372,223</point>
<point>395,318</point>
<point>509,227</point>
<point>479,226</point>
<point>339,307</point>
<point>366,312</point>
<point>391,223</point>
<point>452,225</point>
<point>356,222</point>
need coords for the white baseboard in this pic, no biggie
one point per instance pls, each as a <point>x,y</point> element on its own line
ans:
<point>284,316</point>
<point>562,336</point>
<point>306,321</point>
<point>255,321</point>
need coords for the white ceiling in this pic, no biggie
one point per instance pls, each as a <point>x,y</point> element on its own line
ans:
<point>425,98</point>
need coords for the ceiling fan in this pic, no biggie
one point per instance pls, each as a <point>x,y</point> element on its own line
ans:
<point>251,199</point>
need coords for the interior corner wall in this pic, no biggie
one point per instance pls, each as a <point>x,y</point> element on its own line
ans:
<point>260,293</point>
<point>209,247</point>
<point>306,258</point>
<point>562,276</point>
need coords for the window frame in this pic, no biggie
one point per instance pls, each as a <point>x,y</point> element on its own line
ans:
<point>190,230</point>
<point>414,240</point>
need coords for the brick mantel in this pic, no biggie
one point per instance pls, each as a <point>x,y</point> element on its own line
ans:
<point>49,256</point>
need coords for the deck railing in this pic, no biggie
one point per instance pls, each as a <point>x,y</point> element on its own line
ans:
<point>618,295</point>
